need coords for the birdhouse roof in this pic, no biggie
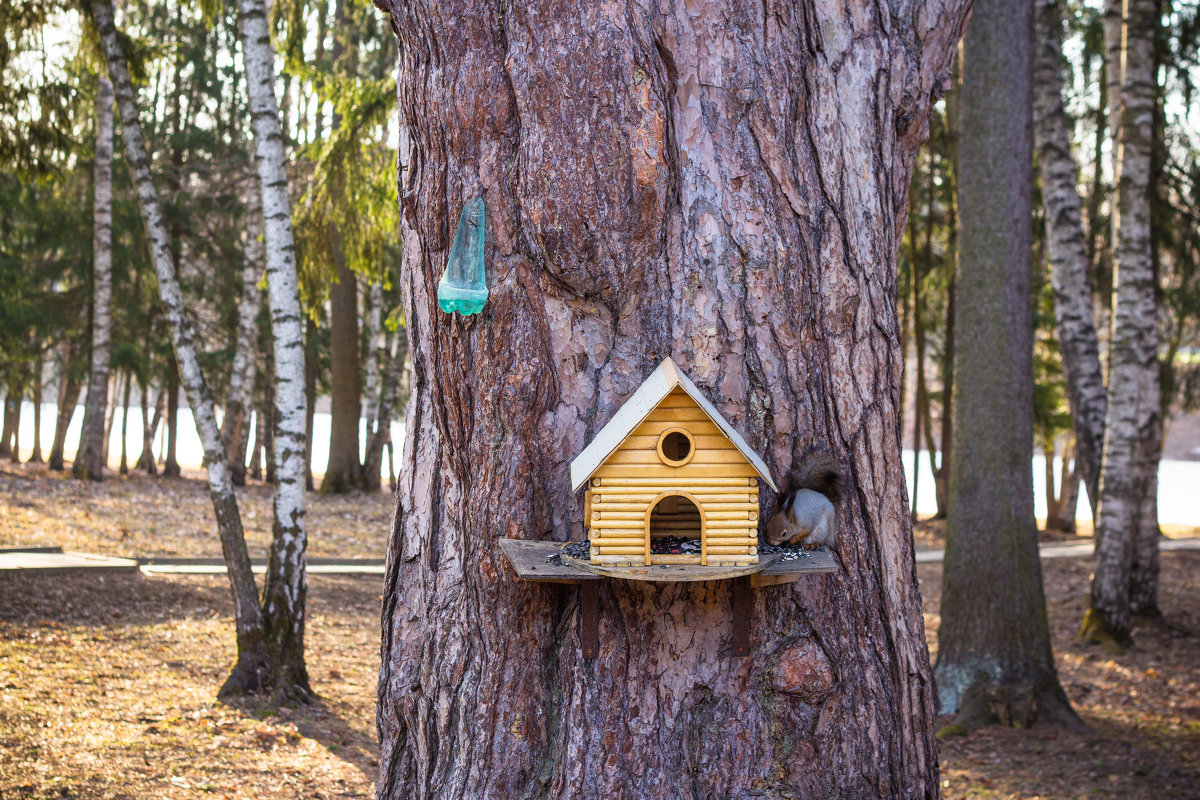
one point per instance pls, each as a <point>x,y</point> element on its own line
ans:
<point>652,392</point>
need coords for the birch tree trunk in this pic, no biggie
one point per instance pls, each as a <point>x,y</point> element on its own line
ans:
<point>1066,249</point>
<point>93,446</point>
<point>241,375</point>
<point>284,594</point>
<point>252,669</point>
<point>1130,443</point>
<point>994,660</point>
<point>1114,24</point>
<point>717,183</point>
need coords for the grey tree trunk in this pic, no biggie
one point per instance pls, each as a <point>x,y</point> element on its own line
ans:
<point>36,456</point>
<point>124,466</point>
<point>284,595</point>
<point>1131,441</point>
<point>994,659</point>
<point>241,375</point>
<point>344,472</point>
<point>1067,251</point>
<point>376,353</point>
<point>171,462</point>
<point>150,425</point>
<point>253,665</point>
<point>68,399</point>
<point>91,458</point>
<point>712,182</point>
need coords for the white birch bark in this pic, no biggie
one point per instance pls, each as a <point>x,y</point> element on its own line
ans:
<point>93,444</point>
<point>284,594</point>
<point>1130,451</point>
<point>253,663</point>
<point>1114,19</point>
<point>1067,250</point>
<point>375,356</point>
<point>241,376</point>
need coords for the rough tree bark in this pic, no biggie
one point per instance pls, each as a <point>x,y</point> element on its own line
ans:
<point>1067,250</point>
<point>717,183</point>
<point>91,458</point>
<point>241,375</point>
<point>284,594</point>
<point>994,659</point>
<point>1131,441</point>
<point>253,661</point>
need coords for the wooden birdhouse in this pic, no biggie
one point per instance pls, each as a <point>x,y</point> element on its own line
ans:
<point>669,481</point>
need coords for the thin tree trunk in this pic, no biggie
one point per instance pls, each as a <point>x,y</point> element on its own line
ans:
<point>256,449</point>
<point>241,376</point>
<point>768,270</point>
<point>344,472</point>
<point>392,375</point>
<point>146,461</point>
<point>36,456</point>
<point>124,468</point>
<point>1066,249</point>
<point>12,412</point>
<point>914,273</point>
<point>994,659</point>
<point>286,587</point>
<point>253,661</point>
<point>68,399</point>
<point>92,457</point>
<point>376,353</point>
<point>1114,21</point>
<point>1130,445</point>
<point>171,463</point>
<point>6,429</point>
<point>310,397</point>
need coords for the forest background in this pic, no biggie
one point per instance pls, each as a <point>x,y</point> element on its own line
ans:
<point>335,68</point>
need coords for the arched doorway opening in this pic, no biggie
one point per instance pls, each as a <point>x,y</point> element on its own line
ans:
<point>675,530</point>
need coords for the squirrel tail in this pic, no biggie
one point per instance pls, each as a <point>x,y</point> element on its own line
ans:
<point>819,470</point>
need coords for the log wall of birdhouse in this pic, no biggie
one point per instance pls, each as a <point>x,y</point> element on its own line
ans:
<point>722,482</point>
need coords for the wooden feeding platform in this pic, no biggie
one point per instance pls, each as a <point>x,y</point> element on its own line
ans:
<point>529,560</point>
<point>534,561</point>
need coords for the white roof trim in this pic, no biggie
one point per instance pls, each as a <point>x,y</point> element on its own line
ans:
<point>647,397</point>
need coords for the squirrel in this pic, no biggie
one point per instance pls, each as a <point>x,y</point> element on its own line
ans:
<point>805,514</point>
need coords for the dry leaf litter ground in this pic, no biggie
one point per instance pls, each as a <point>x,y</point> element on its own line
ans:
<point>107,682</point>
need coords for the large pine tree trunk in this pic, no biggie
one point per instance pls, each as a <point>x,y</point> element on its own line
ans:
<point>92,456</point>
<point>1066,248</point>
<point>1131,440</point>
<point>994,659</point>
<point>712,182</point>
<point>284,594</point>
<point>253,662</point>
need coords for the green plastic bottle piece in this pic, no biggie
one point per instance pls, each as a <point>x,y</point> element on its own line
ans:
<point>463,287</point>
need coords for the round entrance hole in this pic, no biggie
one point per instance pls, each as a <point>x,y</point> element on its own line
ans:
<point>676,447</point>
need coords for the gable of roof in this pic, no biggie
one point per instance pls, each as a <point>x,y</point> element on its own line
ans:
<point>653,391</point>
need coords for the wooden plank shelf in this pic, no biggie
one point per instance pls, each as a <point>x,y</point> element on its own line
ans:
<point>528,560</point>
